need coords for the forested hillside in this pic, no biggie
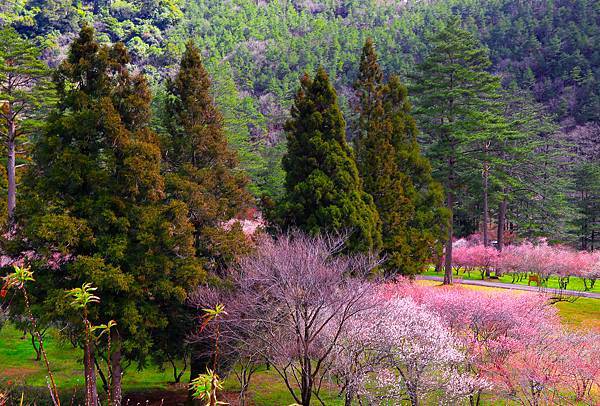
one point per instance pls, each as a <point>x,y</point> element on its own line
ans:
<point>212,186</point>
<point>543,51</point>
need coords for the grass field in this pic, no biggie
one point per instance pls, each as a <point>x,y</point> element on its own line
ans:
<point>575,283</point>
<point>17,365</point>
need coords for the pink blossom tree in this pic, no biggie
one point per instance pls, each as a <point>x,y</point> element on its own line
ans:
<point>297,295</point>
<point>494,329</point>
<point>582,372</point>
<point>420,356</point>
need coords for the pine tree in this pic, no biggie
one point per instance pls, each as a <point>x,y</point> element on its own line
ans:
<point>457,111</point>
<point>394,172</point>
<point>25,91</point>
<point>96,193</point>
<point>203,172</point>
<point>323,190</point>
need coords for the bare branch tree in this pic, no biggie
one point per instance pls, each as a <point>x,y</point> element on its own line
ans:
<point>291,304</point>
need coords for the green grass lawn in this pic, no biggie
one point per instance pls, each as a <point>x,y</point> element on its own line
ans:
<point>575,283</point>
<point>18,366</point>
<point>267,388</point>
<point>17,359</point>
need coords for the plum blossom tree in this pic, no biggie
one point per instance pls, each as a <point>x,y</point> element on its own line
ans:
<point>355,354</point>
<point>421,357</point>
<point>532,374</point>
<point>495,330</point>
<point>296,298</point>
<point>583,365</point>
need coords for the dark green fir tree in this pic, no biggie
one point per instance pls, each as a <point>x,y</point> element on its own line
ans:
<point>203,172</point>
<point>394,172</point>
<point>96,195</point>
<point>323,189</point>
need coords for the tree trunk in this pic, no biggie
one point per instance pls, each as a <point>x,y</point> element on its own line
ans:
<point>486,214</point>
<point>10,168</point>
<point>448,264</point>
<point>91,389</point>
<point>116,368</point>
<point>501,222</point>
<point>306,381</point>
<point>414,398</point>
<point>37,349</point>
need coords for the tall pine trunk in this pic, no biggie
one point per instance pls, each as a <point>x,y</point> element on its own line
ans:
<point>116,368</point>
<point>448,258</point>
<point>501,222</point>
<point>11,167</point>
<point>486,213</point>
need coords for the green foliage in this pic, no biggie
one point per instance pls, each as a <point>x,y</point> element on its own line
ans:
<point>205,387</point>
<point>83,296</point>
<point>202,169</point>
<point>266,45</point>
<point>587,202</point>
<point>98,171</point>
<point>394,172</point>
<point>25,93</point>
<point>18,278</point>
<point>323,190</point>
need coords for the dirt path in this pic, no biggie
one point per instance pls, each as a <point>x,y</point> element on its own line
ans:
<point>512,286</point>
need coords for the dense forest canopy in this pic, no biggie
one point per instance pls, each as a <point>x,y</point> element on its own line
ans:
<point>255,51</point>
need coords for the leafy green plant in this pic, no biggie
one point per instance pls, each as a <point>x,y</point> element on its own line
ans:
<point>205,386</point>
<point>18,280</point>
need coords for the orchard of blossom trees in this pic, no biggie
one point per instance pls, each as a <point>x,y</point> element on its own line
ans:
<point>540,259</point>
<point>313,315</point>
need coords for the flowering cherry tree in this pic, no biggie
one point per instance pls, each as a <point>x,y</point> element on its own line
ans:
<point>515,342</point>
<point>420,356</point>
<point>541,260</point>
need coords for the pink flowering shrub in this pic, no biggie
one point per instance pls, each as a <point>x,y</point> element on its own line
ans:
<point>420,357</point>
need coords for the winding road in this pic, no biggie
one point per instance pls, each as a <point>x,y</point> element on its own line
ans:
<point>511,286</point>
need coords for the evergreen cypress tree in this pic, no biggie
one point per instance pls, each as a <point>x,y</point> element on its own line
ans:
<point>96,193</point>
<point>203,172</point>
<point>393,170</point>
<point>323,190</point>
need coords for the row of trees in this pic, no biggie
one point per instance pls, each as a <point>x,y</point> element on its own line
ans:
<point>256,51</point>
<point>137,208</point>
<point>526,258</point>
<point>470,128</point>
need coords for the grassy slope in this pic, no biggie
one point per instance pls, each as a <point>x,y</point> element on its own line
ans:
<point>17,365</point>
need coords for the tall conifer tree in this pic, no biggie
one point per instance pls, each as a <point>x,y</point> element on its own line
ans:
<point>203,172</point>
<point>96,193</point>
<point>393,170</point>
<point>458,114</point>
<point>323,190</point>
<point>25,91</point>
